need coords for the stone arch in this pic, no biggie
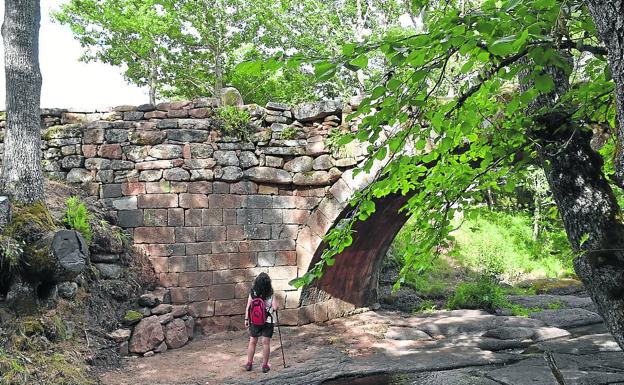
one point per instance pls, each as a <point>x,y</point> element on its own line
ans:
<point>352,281</point>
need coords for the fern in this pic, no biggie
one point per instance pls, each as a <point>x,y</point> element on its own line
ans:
<point>77,217</point>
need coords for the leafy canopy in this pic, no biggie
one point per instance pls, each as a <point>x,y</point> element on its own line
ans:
<point>449,118</point>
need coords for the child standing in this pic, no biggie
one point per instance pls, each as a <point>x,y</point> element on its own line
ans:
<point>262,289</point>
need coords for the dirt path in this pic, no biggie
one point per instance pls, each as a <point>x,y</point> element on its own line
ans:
<point>393,342</point>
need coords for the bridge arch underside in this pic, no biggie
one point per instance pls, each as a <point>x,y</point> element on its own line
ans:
<point>353,280</point>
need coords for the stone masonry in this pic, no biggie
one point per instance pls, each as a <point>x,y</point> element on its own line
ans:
<point>211,211</point>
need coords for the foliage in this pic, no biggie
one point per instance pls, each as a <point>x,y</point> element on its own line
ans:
<point>427,306</point>
<point>191,48</point>
<point>290,132</point>
<point>234,121</point>
<point>12,251</point>
<point>77,217</point>
<point>483,294</point>
<point>501,244</point>
<point>450,121</point>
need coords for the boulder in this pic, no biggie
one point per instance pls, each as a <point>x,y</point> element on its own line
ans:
<point>567,318</point>
<point>175,334</point>
<point>67,290</point>
<point>510,333</point>
<point>22,298</point>
<point>161,348</point>
<point>109,270</point>
<point>190,326</point>
<point>148,335</point>
<point>149,300</point>
<point>166,151</point>
<point>231,97</point>
<point>71,253</point>
<point>120,335</point>
<point>306,112</point>
<point>162,309</point>
<point>79,175</point>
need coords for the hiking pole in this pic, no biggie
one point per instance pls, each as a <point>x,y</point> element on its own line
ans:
<point>279,331</point>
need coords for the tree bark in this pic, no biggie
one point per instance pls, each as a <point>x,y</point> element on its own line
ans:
<point>609,19</point>
<point>586,202</point>
<point>22,178</point>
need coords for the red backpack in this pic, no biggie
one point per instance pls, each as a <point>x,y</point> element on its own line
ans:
<point>257,312</point>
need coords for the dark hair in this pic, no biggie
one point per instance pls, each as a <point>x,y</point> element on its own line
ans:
<point>262,286</point>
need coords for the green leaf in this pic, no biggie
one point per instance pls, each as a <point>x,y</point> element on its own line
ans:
<point>360,61</point>
<point>324,70</point>
<point>544,83</point>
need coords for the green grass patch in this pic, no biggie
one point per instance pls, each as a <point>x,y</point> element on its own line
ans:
<point>77,217</point>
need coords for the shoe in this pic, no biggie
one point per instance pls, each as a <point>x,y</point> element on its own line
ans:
<point>248,366</point>
<point>265,368</point>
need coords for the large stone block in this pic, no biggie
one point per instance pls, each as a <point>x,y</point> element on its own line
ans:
<point>133,188</point>
<point>110,151</point>
<point>158,200</point>
<point>147,335</point>
<point>147,137</point>
<point>199,248</point>
<point>268,175</point>
<point>202,309</point>
<point>235,233</point>
<point>306,112</point>
<point>166,151</point>
<point>248,216</point>
<point>211,234</point>
<point>176,174</point>
<point>185,234</point>
<point>193,217</point>
<point>193,201</point>
<point>223,291</point>
<point>213,262</point>
<point>154,165</point>
<point>230,306</point>
<point>182,263</point>
<point>226,158</point>
<point>242,260</point>
<point>130,218</point>
<point>154,235</point>
<point>212,217</point>
<point>224,201</point>
<point>187,136</point>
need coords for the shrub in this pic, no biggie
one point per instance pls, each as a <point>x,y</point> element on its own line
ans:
<point>77,217</point>
<point>483,294</point>
<point>234,121</point>
<point>290,133</point>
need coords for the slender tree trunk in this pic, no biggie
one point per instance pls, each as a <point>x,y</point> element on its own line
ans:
<point>536,216</point>
<point>609,19</point>
<point>22,178</point>
<point>153,79</point>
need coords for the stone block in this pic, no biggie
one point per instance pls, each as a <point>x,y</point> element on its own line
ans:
<point>185,234</point>
<point>110,191</point>
<point>292,299</point>
<point>202,309</point>
<point>257,231</point>
<point>200,150</point>
<point>93,136</point>
<point>176,174</point>
<point>295,216</point>
<point>266,258</point>
<point>158,200</point>
<point>289,317</point>
<point>281,244</point>
<point>133,188</point>
<point>170,280</point>
<point>161,187</point>
<point>155,217</point>
<point>175,217</point>
<point>155,115</point>
<point>202,187</point>
<point>319,223</point>
<point>183,263</point>
<point>179,187</point>
<point>320,312</point>
<point>110,151</point>
<point>187,136</point>
<point>166,151</point>
<point>212,234</point>
<point>224,201</point>
<point>199,248</point>
<point>197,294</point>
<point>242,289</point>
<point>229,216</point>
<point>257,201</point>
<point>243,188</point>
<point>212,217</point>
<point>193,201</point>
<point>127,203</point>
<point>230,306</point>
<point>235,275</point>
<point>283,272</point>
<point>258,245</point>
<point>242,260</point>
<point>213,262</point>
<point>306,314</point>
<point>130,218</point>
<point>248,216</point>
<point>150,176</point>
<point>223,291</point>
<point>268,175</point>
<point>221,187</point>
<point>147,137</point>
<point>176,114</point>
<point>272,216</point>
<point>160,264</point>
<point>154,235</point>
<point>286,258</point>
<point>294,202</point>
<point>235,233</point>
<point>268,190</point>
<point>226,158</point>
<point>281,231</point>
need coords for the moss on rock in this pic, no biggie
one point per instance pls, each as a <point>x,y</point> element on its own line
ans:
<point>132,317</point>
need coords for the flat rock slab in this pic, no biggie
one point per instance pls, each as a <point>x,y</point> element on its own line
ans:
<point>589,344</point>
<point>403,333</point>
<point>567,318</point>
<point>545,301</point>
<point>510,333</point>
<point>450,378</point>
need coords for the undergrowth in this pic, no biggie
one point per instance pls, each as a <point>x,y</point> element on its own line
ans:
<point>234,121</point>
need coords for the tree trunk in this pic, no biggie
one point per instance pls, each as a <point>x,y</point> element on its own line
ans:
<point>609,19</point>
<point>22,178</point>
<point>586,202</point>
<point>590,213</point>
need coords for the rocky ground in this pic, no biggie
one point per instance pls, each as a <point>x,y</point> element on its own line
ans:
<point>442,347</point>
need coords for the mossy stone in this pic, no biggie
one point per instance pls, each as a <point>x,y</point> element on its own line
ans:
<point>32,326</point>
<point>132,317</point>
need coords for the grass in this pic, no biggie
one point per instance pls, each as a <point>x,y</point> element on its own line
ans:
<point>501,244</point>
<point>77,217</point>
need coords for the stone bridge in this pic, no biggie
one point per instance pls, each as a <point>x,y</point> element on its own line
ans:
<point>212,211</point>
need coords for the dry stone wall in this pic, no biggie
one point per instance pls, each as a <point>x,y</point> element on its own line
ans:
<point>212,211</point>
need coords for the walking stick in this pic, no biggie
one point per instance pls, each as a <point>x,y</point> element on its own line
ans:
<point>279,331</point>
